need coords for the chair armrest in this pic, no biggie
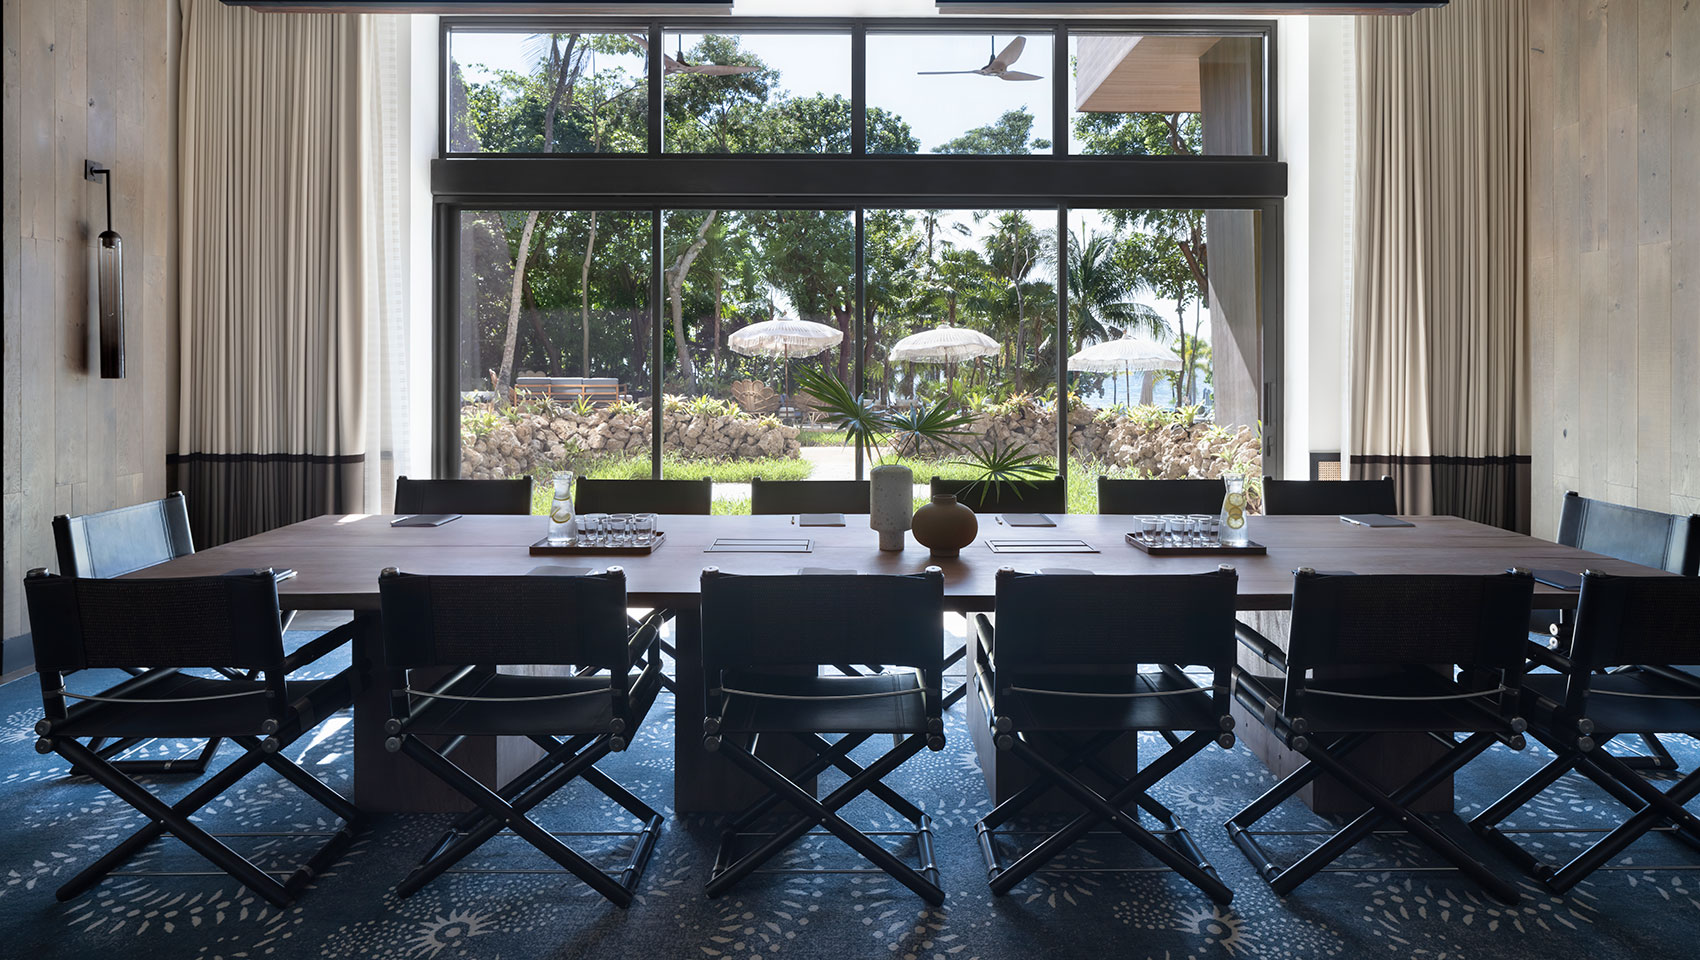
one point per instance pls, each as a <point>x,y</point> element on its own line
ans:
<point>646,635</point>
<point>317,647</point>
<point>1261,645</point>
<point>982,636</point>
<point>1541,655</point>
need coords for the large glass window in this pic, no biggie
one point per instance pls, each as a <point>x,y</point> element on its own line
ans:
<point>1166,95</point>
<point>555,330</point>
<point>752,298</point>
<point>547,93</point>
<point>574,350</point>
<point>756,93</point>
<point>966,93</point>
<point>962,311</point>
<point>1165,322</point>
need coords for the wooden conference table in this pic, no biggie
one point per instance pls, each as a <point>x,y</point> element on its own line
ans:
<point>338,558</point>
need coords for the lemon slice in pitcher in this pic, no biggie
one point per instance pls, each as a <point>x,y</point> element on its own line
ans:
<point>1235,505</point>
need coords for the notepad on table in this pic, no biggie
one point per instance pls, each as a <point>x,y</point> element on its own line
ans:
<point>424,520</point>
<point>1562,579</point>
<point>1028,520</point>
<point>820,519</point>
<point>1375,520</point>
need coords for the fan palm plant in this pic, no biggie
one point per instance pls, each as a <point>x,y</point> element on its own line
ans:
<point>940,424</point>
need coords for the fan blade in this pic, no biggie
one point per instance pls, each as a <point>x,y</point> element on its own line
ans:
<point>1018,75</point>
<point>1012,52</point>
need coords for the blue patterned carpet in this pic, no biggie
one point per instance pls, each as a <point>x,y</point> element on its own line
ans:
<point>58,824</point>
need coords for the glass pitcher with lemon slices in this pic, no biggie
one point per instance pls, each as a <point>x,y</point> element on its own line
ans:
<point>1234,512</point>
<point>561,509</point>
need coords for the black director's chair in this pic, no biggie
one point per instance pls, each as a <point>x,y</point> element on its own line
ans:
<point>1401,627</point>
<point>1640,624</point>
<point>157,629</point>
<point>1064,666</point>
<point>467,624</point>
<point>756,632</point>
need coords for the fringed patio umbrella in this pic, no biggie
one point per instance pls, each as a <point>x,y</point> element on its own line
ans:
<point>787,338</point>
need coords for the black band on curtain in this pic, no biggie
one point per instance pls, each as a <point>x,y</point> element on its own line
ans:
<point>236,495</point>
<point>1490,490</point>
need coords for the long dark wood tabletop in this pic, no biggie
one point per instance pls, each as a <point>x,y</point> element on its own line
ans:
<point>338,558</point>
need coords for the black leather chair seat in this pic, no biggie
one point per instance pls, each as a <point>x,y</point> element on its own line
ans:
<point>1619,714</point>
<point>885,713</point>
<point>1330,714</point>
<point>1182,711</point>
<point>235,716</point>
<point>589,714</point>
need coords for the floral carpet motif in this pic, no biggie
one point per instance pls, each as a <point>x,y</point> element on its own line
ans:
<point>1395,905</point>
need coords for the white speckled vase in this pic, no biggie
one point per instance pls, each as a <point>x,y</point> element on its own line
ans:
<point>891,503</point>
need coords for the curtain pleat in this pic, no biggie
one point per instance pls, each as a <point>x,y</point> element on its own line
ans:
<point>1439,307</point>
<point>272,270</point>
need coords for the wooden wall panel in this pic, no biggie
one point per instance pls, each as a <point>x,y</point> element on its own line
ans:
<point>1614,113</point>
<point>84,79</point>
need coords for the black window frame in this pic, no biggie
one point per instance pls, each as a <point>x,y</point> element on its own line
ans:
<point>656,181</point>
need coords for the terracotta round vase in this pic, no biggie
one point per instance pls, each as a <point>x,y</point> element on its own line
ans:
<point>944,526</point>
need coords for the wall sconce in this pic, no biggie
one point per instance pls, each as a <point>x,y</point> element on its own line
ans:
<point>110,266</point>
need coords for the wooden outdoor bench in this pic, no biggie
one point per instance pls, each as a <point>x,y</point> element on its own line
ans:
<point>601,391</point>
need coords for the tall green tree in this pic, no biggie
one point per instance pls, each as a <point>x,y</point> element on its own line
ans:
<point>1010,133</point>
<point>561,68</point>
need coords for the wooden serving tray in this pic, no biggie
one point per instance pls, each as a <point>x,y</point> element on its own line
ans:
<point>1163,550</point>
<point>543,548</point>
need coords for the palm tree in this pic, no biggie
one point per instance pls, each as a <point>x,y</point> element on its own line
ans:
<point>1100,293</point>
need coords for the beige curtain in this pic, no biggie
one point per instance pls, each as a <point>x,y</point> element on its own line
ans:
<point>272,422</point>
<point>1439,311</point>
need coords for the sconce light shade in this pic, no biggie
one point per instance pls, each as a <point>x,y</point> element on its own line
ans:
<point>109,266</point>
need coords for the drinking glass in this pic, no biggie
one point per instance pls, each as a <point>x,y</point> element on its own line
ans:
<point>1149,527</point>
<point>590,529</point>
<point>619,529</point>
<point>1200,528</point>
<point>1174,525</point>
<point>1213,531</point>
<point>643,525</point>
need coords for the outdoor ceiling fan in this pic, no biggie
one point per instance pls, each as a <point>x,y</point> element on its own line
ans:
<point>997,66</point>
<point>679,64</point>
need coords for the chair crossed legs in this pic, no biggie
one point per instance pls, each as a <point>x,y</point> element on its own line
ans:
<point>1402,625</point>
<point>756,634</point>
<point>578,718</point>
<point>1584,706</point>
<point>1062,672</point>
<point>230,622</point>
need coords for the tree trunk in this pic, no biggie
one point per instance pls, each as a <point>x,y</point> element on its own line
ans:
<point>640,344</point>
<point>676,293</point>
<point>1180,381</point>
<point>516,289</point>
<point>843,317</point>
<point>714,351</point>
<point>584,300</point>
<point>565,77</point>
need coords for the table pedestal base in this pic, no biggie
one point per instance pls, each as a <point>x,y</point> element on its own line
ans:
<point>1388,760</point>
